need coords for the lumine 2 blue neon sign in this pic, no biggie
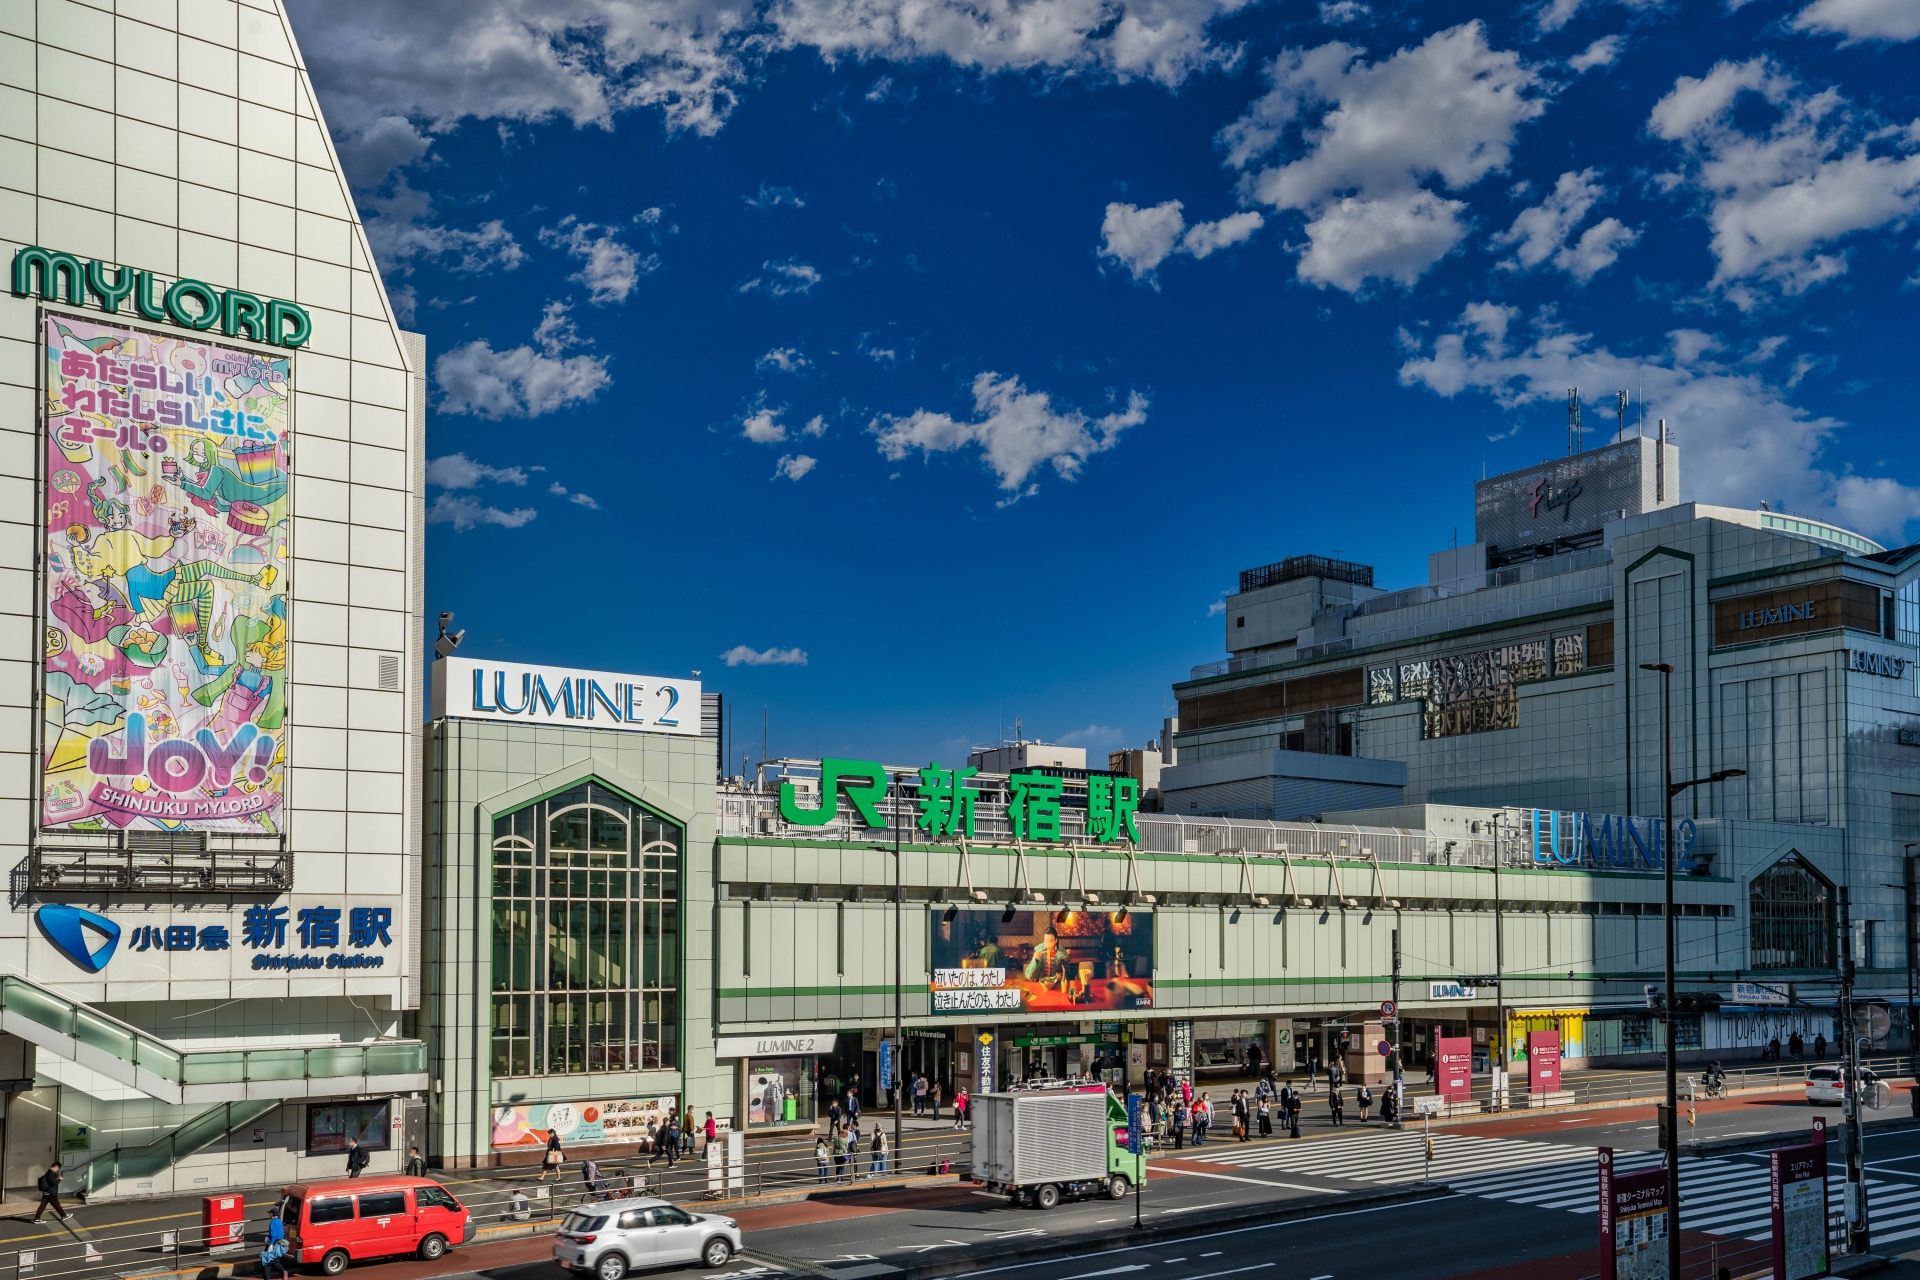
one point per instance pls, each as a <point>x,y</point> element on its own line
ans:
<point>1612,842</point>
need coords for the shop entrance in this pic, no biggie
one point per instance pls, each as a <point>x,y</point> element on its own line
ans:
<point>928,1053</point>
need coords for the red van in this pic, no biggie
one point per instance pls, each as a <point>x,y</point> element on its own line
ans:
<point>334,1223</point>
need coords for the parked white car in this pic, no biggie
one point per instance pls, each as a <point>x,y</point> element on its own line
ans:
<point>610,1239</point>
<point>1823,1085</point>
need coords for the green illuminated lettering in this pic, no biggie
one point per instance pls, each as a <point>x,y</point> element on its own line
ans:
<point>205,294</point>
<point>864,781</point>
<point>243,316</point>
<point>1111,804</point>
<point>143,297</point>
<point>110,295</point>
<point>1034,809</point>
<point>54,268</point>
<point>279,316</point>
<point>946,802</point>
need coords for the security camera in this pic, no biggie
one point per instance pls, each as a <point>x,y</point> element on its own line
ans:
<point>446,642</point>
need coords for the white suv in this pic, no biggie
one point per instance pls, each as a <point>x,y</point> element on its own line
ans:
<point>609,1239</point>
<point>1823,1085</point>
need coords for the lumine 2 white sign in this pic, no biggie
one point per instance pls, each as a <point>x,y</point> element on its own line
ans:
<point>474,689</point>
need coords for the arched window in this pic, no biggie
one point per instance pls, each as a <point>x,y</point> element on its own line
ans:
<point>1791,917</point>
<point>586,936</point>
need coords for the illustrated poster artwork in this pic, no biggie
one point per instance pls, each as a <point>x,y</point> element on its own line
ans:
<point>165,540</point>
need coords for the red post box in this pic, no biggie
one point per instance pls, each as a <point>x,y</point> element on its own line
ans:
<point>224,1220</point>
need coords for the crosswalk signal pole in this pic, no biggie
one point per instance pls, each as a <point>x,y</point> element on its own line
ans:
<point>1399,1047</point>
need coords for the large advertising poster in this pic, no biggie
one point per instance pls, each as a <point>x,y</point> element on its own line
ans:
<point>587,1124</point>
<point>164,509</point>
<point>1040,961</point>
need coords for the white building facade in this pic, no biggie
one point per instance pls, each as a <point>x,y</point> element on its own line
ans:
<point>211,452</point>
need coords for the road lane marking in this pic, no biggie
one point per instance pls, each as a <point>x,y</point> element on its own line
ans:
<point>1110,1271</point>
<point>1192,1208</point>
<point>1210,1275</point>
<point>1257,1182</point>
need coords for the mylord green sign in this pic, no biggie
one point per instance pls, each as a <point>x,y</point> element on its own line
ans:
<point>191,304</point>
<point>946,801</point>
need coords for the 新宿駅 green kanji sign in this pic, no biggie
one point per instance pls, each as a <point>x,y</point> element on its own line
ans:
<point>947,804</point>
<point>191,304</point>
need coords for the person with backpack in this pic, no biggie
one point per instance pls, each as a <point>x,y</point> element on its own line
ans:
<point>49,1185</point>
<point>357,1158</point>
<point>416,1167</point>
<point>877,1153</point>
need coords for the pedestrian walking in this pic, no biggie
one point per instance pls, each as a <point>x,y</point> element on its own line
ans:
<point>961,1101</point>
<point>1186,1092</point>
<point>1364,1100</point>
<point>1202,1121</point>
<point>1433,1067</point>
<point>853,1103</point>
<point>670,1139</point>
<point>416,1167</point>
<point>835,1114</point>
<point>1241,1115</point>
<point>1336,1074</point>
<point>275,1253</point>
<point>1313,1072</point>
<point>934,1094</point>
<point>357,1158</point>
<point>820,1155</point>
<point>49,1185</point>
<point>877,1153</point>
<point>590,1174</point>
<point>712,1128</point>
<point>550,1161</point>
<point>1337,1104</point>
<point>1819,1045</point>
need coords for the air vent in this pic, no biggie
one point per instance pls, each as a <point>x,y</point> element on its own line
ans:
<point>167,841</point>
<point>390,671</point>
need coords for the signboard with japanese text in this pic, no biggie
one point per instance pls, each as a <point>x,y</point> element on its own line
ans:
<point>1543,1062</point>
<point>1633,1222</point>
<point>311,936</point>
<point>584,1124</point>
<point>1798,1181</point>
<point>1040,962</point>
<point>1180,1050</point>
<point>164,534</point>
<point>1453,1077</point>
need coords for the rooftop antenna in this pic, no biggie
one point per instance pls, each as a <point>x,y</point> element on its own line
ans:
<point>1573,421</point>
<point>1623,398</point>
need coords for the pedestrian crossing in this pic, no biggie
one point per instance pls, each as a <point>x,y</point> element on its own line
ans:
<point>1725,1196</point>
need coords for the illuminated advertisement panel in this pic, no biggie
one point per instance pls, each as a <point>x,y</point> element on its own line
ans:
<point>1041,961</point>
<point>164,509</point>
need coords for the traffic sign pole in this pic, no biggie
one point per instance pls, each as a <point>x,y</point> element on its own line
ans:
<point>1390,1014</point>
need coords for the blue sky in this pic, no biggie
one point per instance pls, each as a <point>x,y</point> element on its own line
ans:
<point>907,368</point>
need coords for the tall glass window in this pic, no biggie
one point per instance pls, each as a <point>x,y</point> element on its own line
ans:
<point>1790,912</point>
<point>586,936</point>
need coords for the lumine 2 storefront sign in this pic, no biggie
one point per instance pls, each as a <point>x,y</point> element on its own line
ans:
<point>191,304</point>
<point>946,802</point>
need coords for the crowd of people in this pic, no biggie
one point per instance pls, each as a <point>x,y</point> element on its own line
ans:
<point>1177,1116</point>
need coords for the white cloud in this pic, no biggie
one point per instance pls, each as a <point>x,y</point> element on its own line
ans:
<point>744,656</point>
<point>1744,441</point>
<point>1603,52</point>
<point>1336,13</point>
<point>1781,197</point>
<point>774,197</point>
<point>1217,608</point>
<point>1017,430</point>
<point>400,230</point>
<point>611,269</point>
<point>1555,14</point>
<point>1539,234</point>
<point>1095,737</point>
<point>763,426</point>
<point>458,471</point>
<point>578,499</point>
<point>437,62</point>
<point>369,154</point>
<point>816,426</point>
<point>793,466</point>
<point>783,278</point>
<point>785,359</point>
<point>1141,239</point>
<point>465,513</point>
<point>1366,136</point>
<point>1857,20</point>
<point>523,382</point>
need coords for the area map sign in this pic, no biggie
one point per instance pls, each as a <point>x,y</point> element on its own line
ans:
<point>1799,1183</point>
<point>1633,1222</point>
<point>1040,962</point>
<point>164,535</point>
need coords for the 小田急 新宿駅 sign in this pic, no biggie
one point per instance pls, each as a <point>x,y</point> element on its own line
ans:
<point>190,304</point>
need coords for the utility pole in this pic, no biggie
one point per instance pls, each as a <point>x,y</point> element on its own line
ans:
<point>1499,977</point>
<point>1858,1228</point>
<point>899,1038</point>
<point>1399,1048</point>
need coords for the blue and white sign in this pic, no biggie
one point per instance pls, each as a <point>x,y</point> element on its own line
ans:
<point>1613,842</point>
<point>84,937</point>
<point>1450,991</point>
<point>472,689</point>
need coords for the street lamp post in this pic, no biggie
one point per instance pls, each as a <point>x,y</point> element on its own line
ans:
<point>1669,1124</point>
<point>899,1036</point>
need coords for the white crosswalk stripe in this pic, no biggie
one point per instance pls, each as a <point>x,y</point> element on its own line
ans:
<point>1725,1196</point>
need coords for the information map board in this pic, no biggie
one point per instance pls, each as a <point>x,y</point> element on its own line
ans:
<point>1633,1223</point>
<point>1799,1184</point>
<point>1453,1080</point>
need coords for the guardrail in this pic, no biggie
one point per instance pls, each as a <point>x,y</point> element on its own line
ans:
<point>515,1201</point>
<point>1651,1086</point>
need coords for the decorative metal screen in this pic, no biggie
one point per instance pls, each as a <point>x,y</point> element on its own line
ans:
<point>1790,915</point>
<point>586,936</point>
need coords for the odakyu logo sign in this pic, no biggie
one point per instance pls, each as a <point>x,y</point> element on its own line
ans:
<point>85,937</point>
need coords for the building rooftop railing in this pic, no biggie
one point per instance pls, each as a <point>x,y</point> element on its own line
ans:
<point>1295,567</point>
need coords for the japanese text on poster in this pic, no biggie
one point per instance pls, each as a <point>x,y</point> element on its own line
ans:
<point>1039,961</point>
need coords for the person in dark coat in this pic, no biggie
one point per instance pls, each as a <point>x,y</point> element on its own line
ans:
<point>1337,1102</point>
<point>1365,1100</point>
<point>357,1158</point>
<point>1293,1114</point>
<point>49,1185</point>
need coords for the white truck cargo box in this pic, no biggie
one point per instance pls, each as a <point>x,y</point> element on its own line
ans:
<point>1023,1139</point>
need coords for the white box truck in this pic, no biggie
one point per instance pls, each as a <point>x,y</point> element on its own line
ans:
<point>1044,1146</point>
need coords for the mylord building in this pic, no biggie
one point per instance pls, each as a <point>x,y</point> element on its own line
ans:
<point>212,467</point>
